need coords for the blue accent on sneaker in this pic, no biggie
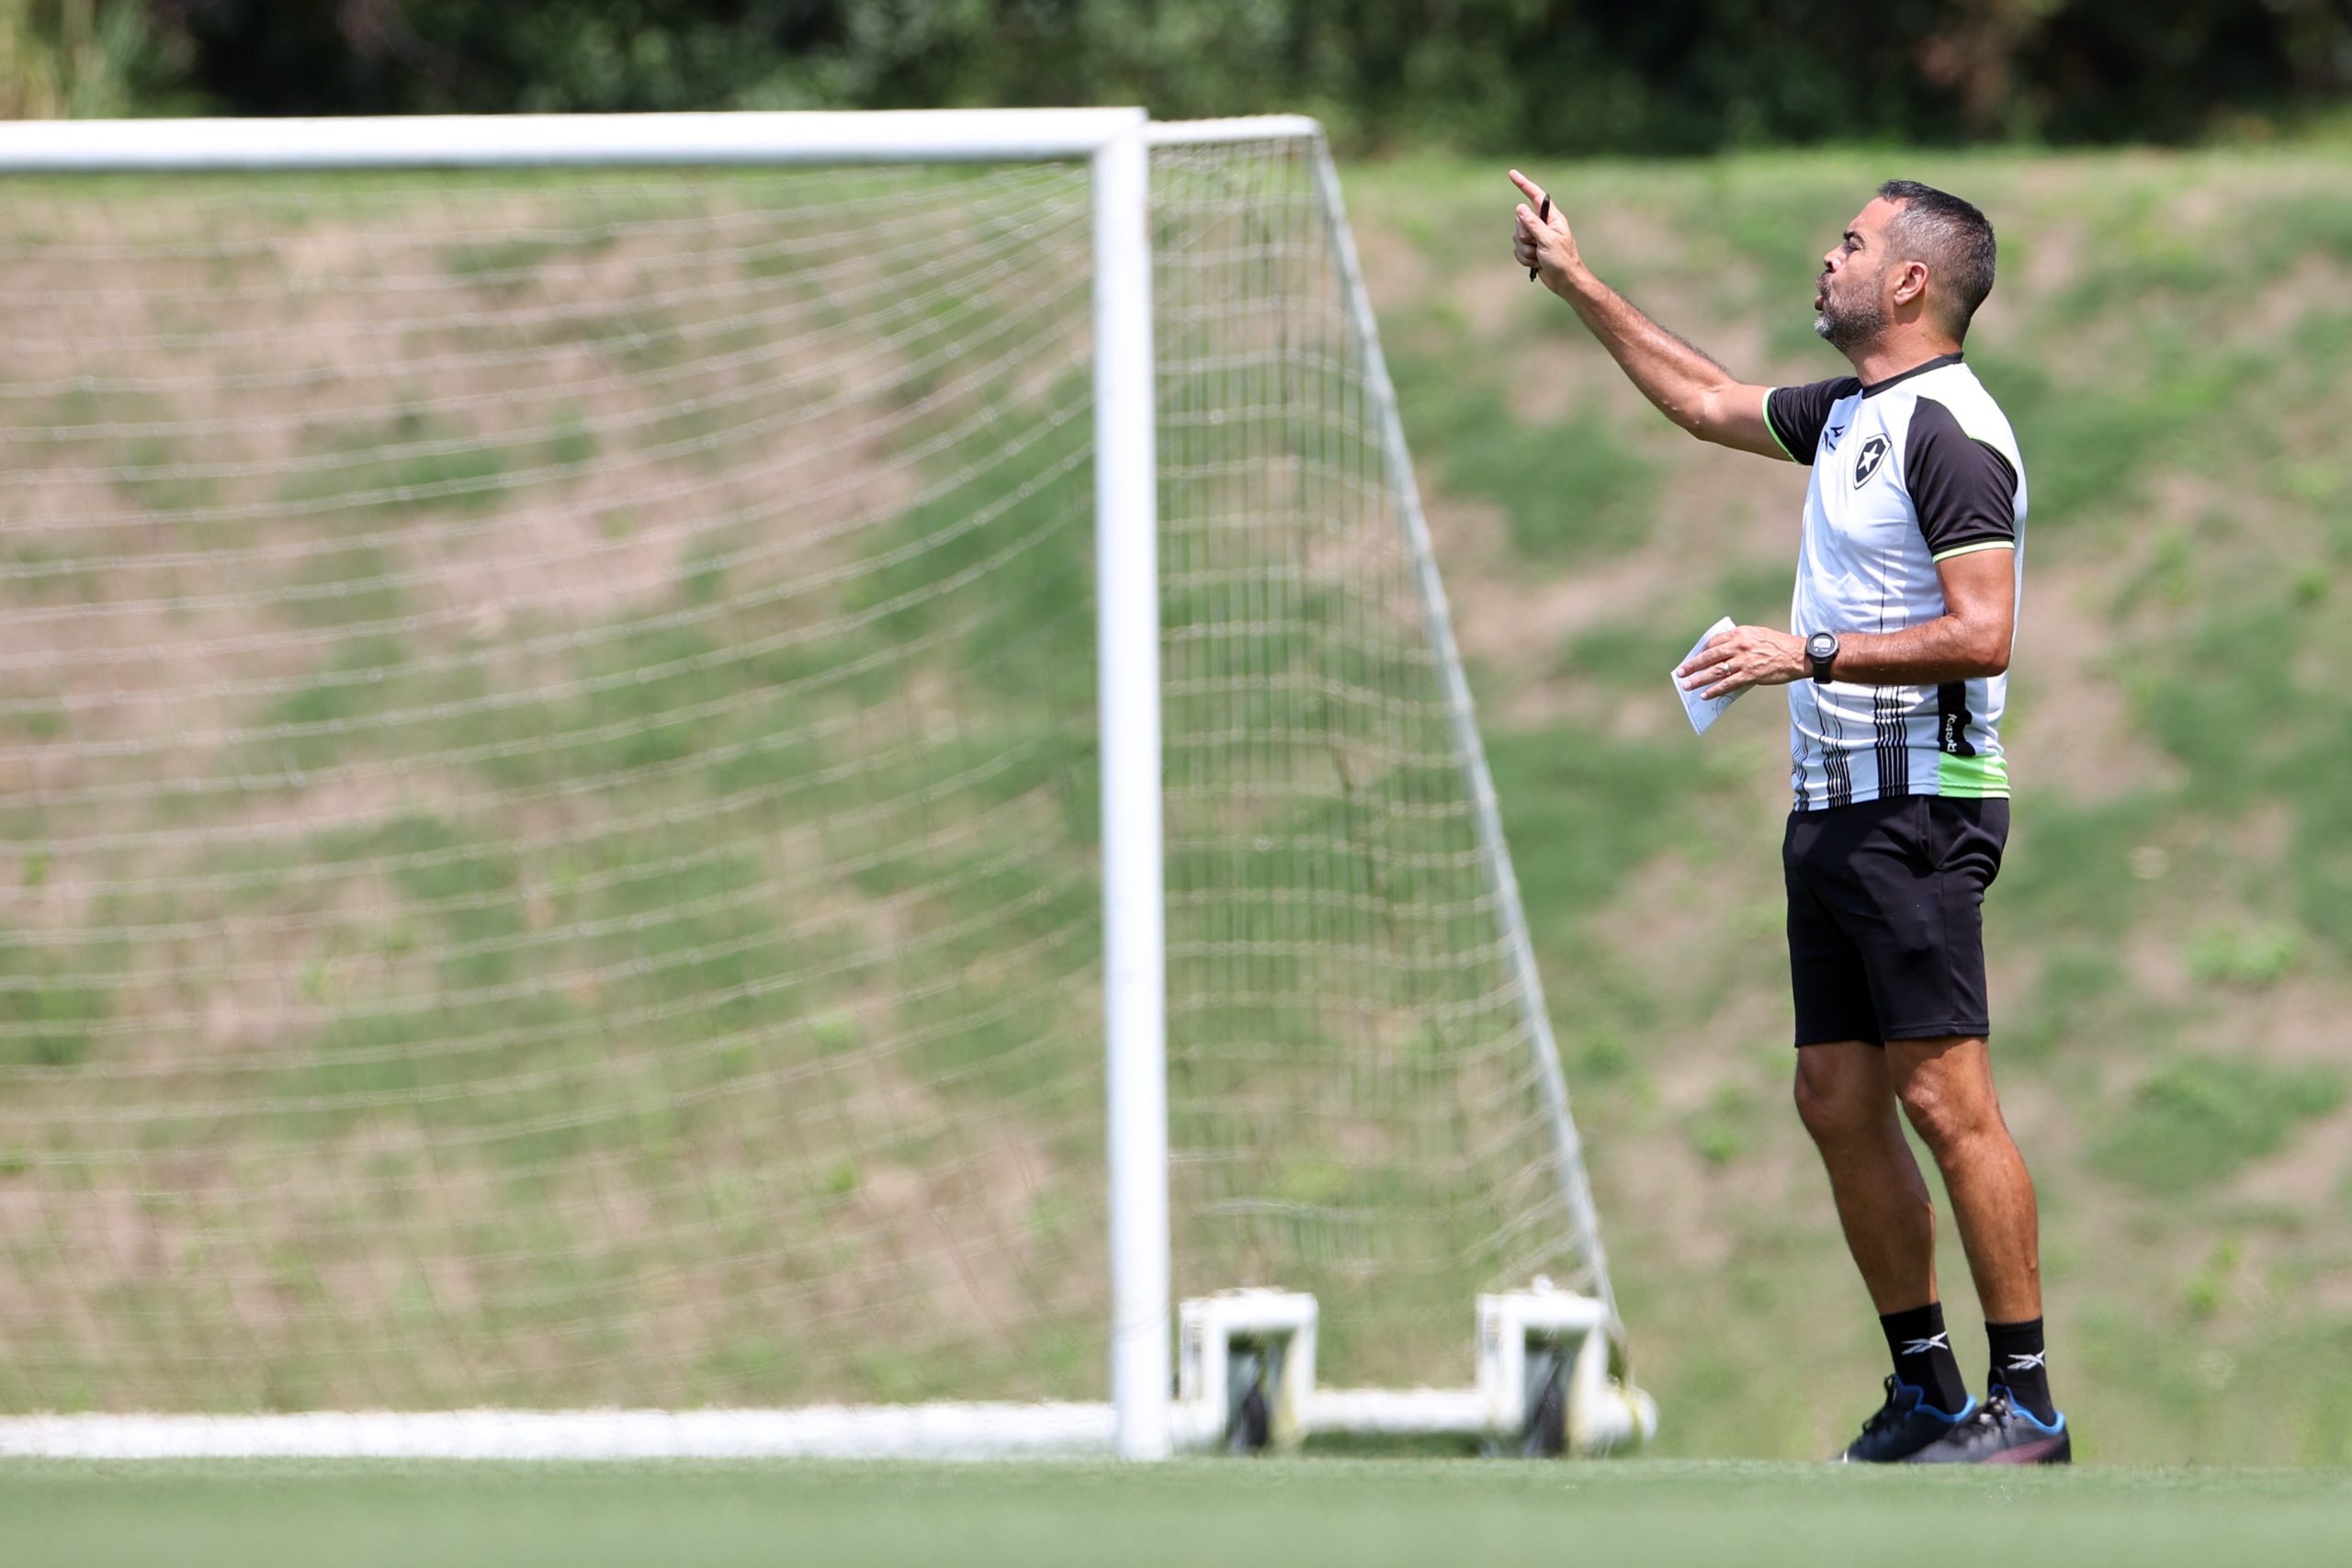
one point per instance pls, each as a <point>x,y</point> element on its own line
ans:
<point>1924,1408</point>
<point>2022,1414</point>
<point>1903,1426</point>
<point>2001,1434</point>
<point>1964,1412</point>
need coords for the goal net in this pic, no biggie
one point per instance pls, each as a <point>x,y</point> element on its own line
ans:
<point>549,810</point>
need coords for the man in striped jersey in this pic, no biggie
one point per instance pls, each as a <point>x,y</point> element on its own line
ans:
<point>1896,662</point>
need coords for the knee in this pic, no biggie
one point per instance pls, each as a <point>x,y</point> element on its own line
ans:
<point>1943,1118</point>
<point>1831,1107</point>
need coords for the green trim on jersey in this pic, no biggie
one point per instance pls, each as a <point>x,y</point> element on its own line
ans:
<point>1972,549</point>
<point>1773,429</point>
<point>1973,778</point>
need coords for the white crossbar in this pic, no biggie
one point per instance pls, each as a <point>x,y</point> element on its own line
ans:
<point>483,142</point>
<point>1245,127</point>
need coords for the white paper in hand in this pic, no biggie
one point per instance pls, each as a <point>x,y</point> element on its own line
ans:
<point>1703,711</point>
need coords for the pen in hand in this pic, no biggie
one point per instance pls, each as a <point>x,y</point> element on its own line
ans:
<point>1542,216</point>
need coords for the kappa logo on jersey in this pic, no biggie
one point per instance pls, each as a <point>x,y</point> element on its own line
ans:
<point>1874,453</point>
<point>1829,437</point>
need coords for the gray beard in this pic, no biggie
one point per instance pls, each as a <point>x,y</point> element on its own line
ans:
<point>1848,330</point>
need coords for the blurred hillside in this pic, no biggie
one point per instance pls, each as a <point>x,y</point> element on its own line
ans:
<point>1675,76</point>
<point>2169,941</point>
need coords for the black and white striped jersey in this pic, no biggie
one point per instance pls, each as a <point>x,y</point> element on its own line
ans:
<point>1906,472</point>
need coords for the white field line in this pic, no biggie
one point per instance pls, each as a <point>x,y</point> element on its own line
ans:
<point>945,1431</point>
<point>911,1431</point>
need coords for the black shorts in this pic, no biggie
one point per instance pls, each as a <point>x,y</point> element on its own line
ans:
<point>1886,932</point>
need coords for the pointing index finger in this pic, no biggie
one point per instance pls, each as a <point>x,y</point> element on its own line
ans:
<point>1534,192</point>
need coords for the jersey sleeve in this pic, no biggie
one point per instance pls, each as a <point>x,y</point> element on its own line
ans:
<point>1797,413</point>
<point>1964,490</point>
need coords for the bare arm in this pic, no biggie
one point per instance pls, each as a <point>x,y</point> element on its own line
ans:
<point>1688,387</point>
<point>1970,639</point>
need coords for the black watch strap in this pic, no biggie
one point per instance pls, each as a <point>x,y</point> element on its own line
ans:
<point>1821,651</point>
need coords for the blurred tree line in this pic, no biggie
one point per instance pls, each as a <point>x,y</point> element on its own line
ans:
<point>1537,75</point>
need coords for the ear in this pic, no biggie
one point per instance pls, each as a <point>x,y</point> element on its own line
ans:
<point>1910,282</point>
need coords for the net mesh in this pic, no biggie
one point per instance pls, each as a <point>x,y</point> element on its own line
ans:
<point>547,810</point>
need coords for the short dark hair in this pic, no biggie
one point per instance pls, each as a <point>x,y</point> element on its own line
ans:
<point>1952,237</point>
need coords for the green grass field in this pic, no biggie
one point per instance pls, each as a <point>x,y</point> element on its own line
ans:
<point>1286,1513</point>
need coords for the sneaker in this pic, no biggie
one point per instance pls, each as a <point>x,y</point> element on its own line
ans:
<point>2001,1432</point>
<point>1905,1424</point>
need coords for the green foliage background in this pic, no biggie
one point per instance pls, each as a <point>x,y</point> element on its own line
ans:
<point>1544,75</point>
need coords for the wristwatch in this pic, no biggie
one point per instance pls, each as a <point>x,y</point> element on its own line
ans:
<point>1821,647</point>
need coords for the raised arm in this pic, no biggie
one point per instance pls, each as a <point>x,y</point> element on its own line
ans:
<point>1688,387</point>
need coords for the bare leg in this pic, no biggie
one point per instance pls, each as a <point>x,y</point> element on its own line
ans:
<point>1946,1087</point>
<point>1847,1099</point>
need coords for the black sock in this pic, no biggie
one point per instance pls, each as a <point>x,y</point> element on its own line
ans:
<point>2017,1366</point>
<point>1922,1356</point>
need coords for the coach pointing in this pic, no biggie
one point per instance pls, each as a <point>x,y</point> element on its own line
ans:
<point>1897,663</point>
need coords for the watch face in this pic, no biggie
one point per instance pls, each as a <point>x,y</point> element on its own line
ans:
<point>1821,644</point>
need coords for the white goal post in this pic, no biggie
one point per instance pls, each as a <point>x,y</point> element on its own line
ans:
<point>1511,1069</point>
